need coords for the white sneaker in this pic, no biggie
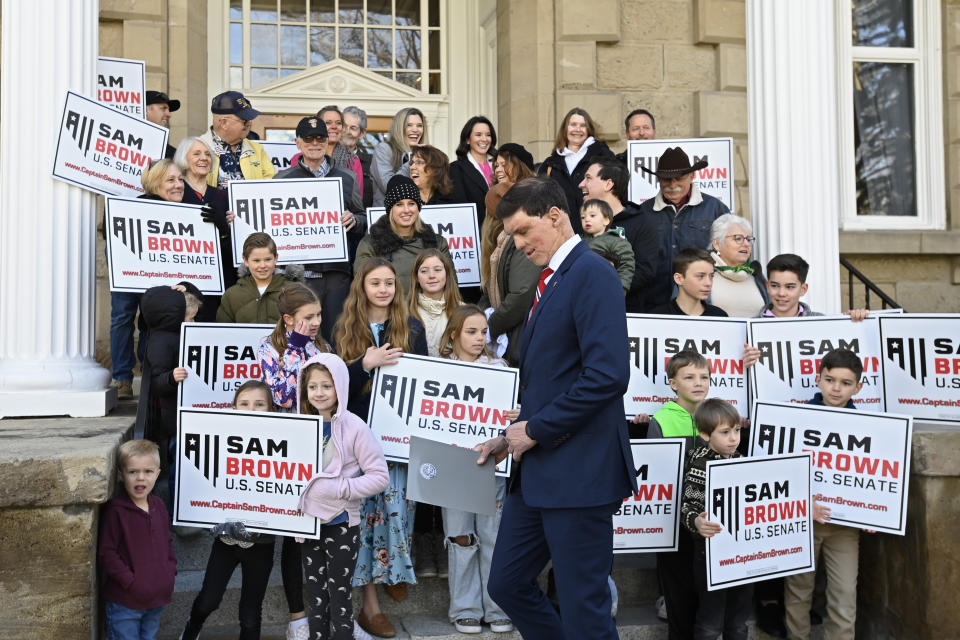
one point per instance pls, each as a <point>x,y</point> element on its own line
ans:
<point>501,626</point>
<point>661,607</point>
<point>359,633</point>
<point>298,629</point>
<point>468,625</point>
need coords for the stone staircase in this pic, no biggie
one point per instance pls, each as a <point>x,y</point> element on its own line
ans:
<point>422,615</point>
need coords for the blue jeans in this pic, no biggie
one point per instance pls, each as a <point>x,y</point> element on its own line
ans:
<point>123,313</point>
<point>124,623</point>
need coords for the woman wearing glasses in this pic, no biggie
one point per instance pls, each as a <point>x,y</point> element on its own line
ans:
<point>739,287</point>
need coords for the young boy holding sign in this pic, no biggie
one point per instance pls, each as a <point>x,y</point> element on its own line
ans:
<point>693,272</point>
<point>722,610</point>
<point>839,381</point>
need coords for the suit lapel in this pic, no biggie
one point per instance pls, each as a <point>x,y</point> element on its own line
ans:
<point>552,286</point>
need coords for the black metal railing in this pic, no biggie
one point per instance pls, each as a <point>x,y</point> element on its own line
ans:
<point>868,286</point>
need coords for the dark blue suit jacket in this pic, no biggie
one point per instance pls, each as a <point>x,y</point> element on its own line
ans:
<point>574,369</point>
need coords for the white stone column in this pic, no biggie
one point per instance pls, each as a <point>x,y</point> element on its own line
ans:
<point>793,139</point>
<point>47,228</point>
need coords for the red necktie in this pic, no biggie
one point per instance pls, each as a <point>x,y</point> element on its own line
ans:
<point>541,285</point>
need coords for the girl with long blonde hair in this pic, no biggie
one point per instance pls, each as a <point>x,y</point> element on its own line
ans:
<point>433,294</point>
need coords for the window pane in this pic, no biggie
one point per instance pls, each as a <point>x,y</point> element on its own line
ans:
<point>379,48</point>
<point>884,139</point>
<point>408,49</point>
<point>408,13</point>
<point>379,12</point>
<point>322,11</point>
<point>263,44</point>
<point>351,11</point>
<point>322,45</point>
<point>287,72</point>
<point>263,10</point>
<point>293,46</point>
<point>435,49</point>
<point>351,45</point>
<point>386,74</point>
<point>236,43</point>
<point>293,10</point>
<point>236,9</point>
<point>409,79</point>
<point>883,23</point>
<point>236,77</point>
<point>259,76</point>
<point>435,83</point>
<point>434,15</point>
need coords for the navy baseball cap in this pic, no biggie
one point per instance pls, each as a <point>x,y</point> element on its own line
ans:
<point>311,126</point>
<point>234,103</point>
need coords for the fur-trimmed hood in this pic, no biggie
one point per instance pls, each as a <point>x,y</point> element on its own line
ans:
<point>385,241</point>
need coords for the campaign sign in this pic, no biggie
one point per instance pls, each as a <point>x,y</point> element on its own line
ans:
<point>152,242</point>
<point>303,216</point>
<point>791,350</point>
<point>654,339</point>
<point>649,520</point>
<point>220,358</point>
<point>861,459</point>
<point>715,180</point>
<point>459,403</point>
<point>246,466</point>
<point>104,150</point>
<point>765,509</point>
<point>921,365</point>
<point>457,223</point>
<point>281,153</point>
<point>121,84</point>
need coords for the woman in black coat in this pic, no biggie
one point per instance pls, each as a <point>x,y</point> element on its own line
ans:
<point>575,149</point>
<point>472,171</point>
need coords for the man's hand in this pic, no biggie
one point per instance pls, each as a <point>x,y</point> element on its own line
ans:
<point>497,447</point>
<point>821,513</point>
<point>347,220</point>
<point>180,374</point>
<point>517,441</point>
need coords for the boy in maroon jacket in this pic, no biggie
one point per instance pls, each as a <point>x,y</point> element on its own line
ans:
<point>136,550</point>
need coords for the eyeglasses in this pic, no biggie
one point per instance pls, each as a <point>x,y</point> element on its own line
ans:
<point>741,239</point>
<point>312,139</point>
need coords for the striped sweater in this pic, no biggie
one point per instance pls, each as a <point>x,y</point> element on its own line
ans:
<point>695,485</point>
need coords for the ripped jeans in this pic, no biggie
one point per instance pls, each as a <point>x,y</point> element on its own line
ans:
<point>470,564</point>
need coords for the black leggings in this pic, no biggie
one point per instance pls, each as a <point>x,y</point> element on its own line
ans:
<point>328,564</point>
<point>255,564</point>
<point>292,573</point>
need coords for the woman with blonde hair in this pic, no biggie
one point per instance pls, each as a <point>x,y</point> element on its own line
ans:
<point>392,156</point>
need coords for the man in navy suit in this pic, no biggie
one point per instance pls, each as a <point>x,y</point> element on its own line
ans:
<point>574,462</point>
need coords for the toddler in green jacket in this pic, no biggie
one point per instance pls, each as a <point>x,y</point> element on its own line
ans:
<point>596,216</point>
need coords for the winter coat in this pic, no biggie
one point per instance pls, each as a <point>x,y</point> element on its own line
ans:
<point>280,371</point>
<point>690,227</point>
<point>382,169</point>
<point>218,201</point>
<point>517,280</point>
<point>135,553</point>
<point>469,185</point>
<point>613,246</point>
<point>162,310</point>
<point>643,233</point>
<point>255,162</point>
<point>243,303</point>
<point>401,252</point>
<point>357,469</point>
<point>556,167</point>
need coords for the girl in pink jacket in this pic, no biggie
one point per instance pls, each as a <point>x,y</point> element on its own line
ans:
<point>353,468</point>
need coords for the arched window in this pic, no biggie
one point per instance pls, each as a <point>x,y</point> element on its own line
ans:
<point>397,39</point>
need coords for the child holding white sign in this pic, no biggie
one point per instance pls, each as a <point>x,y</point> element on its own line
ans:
<point>724,610</point>
<point>233,545</point>
<point>839,381</point>
<point>353,468</point>
<point>472,536</point>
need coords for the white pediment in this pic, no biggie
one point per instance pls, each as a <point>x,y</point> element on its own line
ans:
<point>335,78</point>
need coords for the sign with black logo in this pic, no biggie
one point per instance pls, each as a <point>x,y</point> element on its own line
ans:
<point>121,84</point>
<point>220,357</point>
<point>649,520</point>
<point>791,350</point>
<point>448,401</point>
<point>715,180</point>
<point>281,153</point>
<point>654,339</point>
<point>248,466</point>
<point>921,357</point>
<point>153,242</point>
<point>765,509</point>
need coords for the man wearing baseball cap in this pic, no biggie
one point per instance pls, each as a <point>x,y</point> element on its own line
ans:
<point>159,108</point>
<point>237,158</point>
<point>330,280</point>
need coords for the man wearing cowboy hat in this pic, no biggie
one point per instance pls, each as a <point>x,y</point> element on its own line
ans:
<point>684,214</point>
<point>236,157</point>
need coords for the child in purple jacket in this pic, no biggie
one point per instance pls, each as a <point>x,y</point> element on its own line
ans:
<point>136,551</point>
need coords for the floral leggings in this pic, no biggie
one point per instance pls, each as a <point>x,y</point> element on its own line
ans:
<point>328,564</point>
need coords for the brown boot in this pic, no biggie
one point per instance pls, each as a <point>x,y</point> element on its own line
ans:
<point>378,625</point>
<point>397,591</point>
